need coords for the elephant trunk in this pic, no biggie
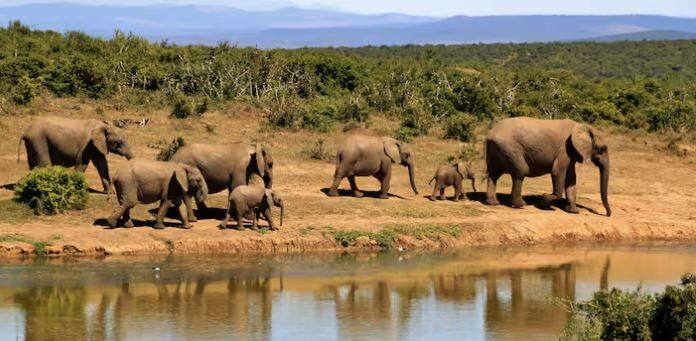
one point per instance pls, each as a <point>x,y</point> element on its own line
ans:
<point>282,212</point>
<point>127,153</point>
<point>268,179</point>
<point>604,185</point>
<point>411,177</point>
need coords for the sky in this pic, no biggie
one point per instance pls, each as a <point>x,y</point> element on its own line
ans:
<point>681,8</point>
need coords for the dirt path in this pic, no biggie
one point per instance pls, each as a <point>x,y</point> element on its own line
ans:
<point>651,194</point>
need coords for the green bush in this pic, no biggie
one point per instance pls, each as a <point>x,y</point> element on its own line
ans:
<point>636,315</point>
<point>675,312</point>
<point>24,91</point>
<point>318,151</point>
<point>182,109</point>
<point>50,190</point>
<point>169,149</point>
<point>461,127</point>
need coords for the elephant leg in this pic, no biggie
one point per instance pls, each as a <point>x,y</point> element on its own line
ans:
<point>223,223</point>
<point>354,187</point>
<point>436,189</point>
<point>165,204</point>
<point>183,212</point>
<point>103,170</point>
<point>491,198</point>
<point>122,214</point>
<point>269,219</point>
<point>40,155</point>
<point>189,209</point>
<point>202,208</point>
<point>386,182</point>
<point>240,220</point>
<point>442,193</point>
<point>570,182</point>
<point>255,220</point>
<point>517,201</point>
<point>458,193</point>
<point>334,186</point>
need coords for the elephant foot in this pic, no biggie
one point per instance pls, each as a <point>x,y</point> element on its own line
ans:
<point>432,198</point>
<point>384,196</point>
<point>193,219</point>
<point>572,209</point>
<point>333,193</point>
<point>240,228</point>
<point>112,222</point>
<point>455,199</point>
<point>158,226</point>
<point>442,197</point>
<point>358,194</point>
<point>186,226</point>
<point>128,224</point>
<point>519,203</point>
<point>222,226</point>
<point>492,202</point>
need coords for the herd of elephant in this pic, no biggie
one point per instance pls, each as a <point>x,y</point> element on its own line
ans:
<point>521,146</point>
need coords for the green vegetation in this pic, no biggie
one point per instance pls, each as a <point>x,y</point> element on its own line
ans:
<point>318,151</point>
<point>50,190</point>
<point>39,246</point>
<point>635,315</point>
<point>385,237</point>
<point>637,85</point>
<point>167,150</point>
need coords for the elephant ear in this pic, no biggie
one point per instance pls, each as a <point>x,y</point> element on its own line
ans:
<point>181,178</point>
<point>260,161</point>
<point>461,168</point>
<point>268,195</point>
<point>98,137</point>
<point>392,149</point>
<point>581,138</point>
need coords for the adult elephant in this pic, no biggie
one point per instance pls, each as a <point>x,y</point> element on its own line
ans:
<point>227,166</point>
<point>528,147</point>
<point>362,155</point>
<point>74,143</point>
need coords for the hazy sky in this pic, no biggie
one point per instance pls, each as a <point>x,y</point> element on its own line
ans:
<point>682,8</point>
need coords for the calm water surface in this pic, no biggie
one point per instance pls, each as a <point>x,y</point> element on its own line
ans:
<point>509,294</point>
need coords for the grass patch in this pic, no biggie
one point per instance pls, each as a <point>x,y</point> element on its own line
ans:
<point>39,246</point>
<point>14,212</point>
<point>386,237</point>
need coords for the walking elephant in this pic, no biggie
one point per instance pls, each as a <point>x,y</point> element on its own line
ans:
<point>528,147</point>
<point>145,181</point>
<point>362,155</point>
<point>227,166</point>
<point>451,175</point>
<point>74,143</point>
<point>255,200</point>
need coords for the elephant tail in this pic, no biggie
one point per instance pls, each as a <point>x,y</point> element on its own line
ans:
<point>19,146</point>
<point>431,179</point>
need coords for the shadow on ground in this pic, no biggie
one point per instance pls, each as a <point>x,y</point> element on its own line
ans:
<point>368,194</point>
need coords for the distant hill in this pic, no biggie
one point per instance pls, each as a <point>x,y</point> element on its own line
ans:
<point>647,35</point>
<point>294,27</point>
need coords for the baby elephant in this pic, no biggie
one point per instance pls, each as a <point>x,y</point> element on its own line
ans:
<point>451,175</point>
<point>258,200</point>
<point>141,181</point>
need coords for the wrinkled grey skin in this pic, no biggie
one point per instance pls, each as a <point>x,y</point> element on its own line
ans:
<point>145,181</point>
<point>252,199</point>
<point>528,147</point>
<point>362,155</point>
<point>74,143</point>
<point>224,167</point>
<point>451,175</point>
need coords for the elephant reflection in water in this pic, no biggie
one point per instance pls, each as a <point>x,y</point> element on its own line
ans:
<point>61,313</point>
<point>455,288</point>
<point>355,304</point>
<point>524,312</point>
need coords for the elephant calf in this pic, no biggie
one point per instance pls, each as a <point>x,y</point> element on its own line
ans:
<point>451,175</point>
<point>259,200</point>
<point>145,182</point>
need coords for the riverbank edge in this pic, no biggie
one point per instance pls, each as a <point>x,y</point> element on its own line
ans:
<point>476,234</point>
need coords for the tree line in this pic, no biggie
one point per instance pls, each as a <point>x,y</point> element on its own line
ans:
<point>637,85</point>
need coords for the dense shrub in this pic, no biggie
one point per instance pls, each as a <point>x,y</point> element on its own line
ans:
<point>636,315</point>
<point>461,127</point>
<point>50,190</point>
<point>169,149</point>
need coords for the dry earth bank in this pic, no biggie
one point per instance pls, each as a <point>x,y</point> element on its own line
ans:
<point>651,192</point>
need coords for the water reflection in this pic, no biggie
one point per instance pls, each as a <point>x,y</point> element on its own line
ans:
<point>329,297</point>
